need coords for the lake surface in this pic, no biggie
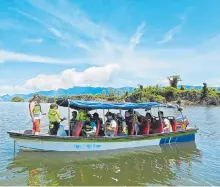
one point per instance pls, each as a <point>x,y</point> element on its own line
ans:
<point>185,164</point>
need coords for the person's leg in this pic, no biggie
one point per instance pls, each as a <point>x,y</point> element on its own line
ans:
<point>34,128</point>
<point>37,123</point>
<point>136,129</point>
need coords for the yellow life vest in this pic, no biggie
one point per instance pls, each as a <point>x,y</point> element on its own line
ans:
<point>54,116</point>
<point>37,110</point>
<point>82,115</point>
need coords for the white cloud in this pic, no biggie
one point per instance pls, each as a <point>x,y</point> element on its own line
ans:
<point>135,39</point>
<point>93,76</point>
<point>56,32</point>
<point>73,29</point>
<point>34,40</point>
<point>7,56</point>
<point>169,35</point>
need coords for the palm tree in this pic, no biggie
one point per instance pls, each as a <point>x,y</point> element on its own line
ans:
<point>173,80</point>
<point>141,87</point>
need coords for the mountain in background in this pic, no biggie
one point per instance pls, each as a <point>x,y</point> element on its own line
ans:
<point>76,90</point>
<point>70,91</point>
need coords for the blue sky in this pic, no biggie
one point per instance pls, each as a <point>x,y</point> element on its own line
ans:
<point>63,43</point>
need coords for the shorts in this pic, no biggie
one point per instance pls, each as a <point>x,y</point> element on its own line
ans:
<point>36,125</point>
<point>53,128</point>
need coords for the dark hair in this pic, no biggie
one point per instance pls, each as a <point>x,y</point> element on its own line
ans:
<point>74,112</point>
<point>89,115</point>
<point>95,115</point>
<point>53,105</point>
<point>148,114</point>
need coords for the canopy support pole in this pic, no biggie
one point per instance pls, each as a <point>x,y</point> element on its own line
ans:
<point>160,117</point>
<point>69,117</point>
<point>104,120</point>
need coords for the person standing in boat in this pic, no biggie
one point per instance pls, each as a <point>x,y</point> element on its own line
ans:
<point>89,126</point>
<point>54,119</point>
<point>110,124</point>
<point>35,113</point>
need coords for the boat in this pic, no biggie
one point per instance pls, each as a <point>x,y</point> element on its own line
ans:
<point>73,142</point>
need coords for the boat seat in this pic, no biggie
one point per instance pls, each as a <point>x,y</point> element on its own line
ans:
<point>145,127</point>
<point>116,130</point>
<point>158,126</point>
<point>173,123</point>
<point>97,128</point>
<point>78,129</point>
<point>130,126</point>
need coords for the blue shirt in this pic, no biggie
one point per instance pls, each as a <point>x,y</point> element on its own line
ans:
<point>92,124</point>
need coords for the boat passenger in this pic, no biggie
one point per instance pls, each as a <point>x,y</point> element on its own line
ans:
<point>89,126</point>
<point>82,115</point>
<point>96,118</point>
<point>54,119</point>
<point>35,112</point>
<point>167,124</point>
<point>121,124</point>
<point>110,124</point>
<point>73,121</point>
<point>99,120</point>
<point>134,116</point>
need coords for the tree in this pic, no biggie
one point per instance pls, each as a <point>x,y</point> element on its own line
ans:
<point>204,91</point>
<point>182,87</point>
<point>17,99</point>
<point>173,80</point>
<point>141,87</point>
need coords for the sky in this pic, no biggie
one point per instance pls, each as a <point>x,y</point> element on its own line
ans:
<point>47,45</point>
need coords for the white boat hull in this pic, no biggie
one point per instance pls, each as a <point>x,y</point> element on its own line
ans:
<point>47,145</point>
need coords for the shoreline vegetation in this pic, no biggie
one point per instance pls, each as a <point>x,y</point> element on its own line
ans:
<point>169,94</point>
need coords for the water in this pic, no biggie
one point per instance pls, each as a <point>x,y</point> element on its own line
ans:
<point>186,164</point>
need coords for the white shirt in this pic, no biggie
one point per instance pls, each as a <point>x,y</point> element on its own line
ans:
<point>113,124</point>
<point>167,123</point>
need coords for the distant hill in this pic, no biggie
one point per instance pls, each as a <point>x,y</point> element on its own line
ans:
<point>76,90</point>
<point>70,91</point>
<point>187,87</point>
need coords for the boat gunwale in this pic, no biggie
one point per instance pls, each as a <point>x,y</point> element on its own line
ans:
<point>100,138</point>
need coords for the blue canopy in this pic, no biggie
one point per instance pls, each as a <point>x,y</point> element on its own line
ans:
<point>91,105</point>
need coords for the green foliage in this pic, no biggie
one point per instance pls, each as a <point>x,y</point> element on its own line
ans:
<point>173,80</point>
<point>149,94</point>
<point>182,87</point>
<point>17,99</point>
<point>205,91</point>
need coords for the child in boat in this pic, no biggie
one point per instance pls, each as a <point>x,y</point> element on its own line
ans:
<point>89,127</point>
<point>35,113</point>
<point>54,119</point>
<point>110,124</point>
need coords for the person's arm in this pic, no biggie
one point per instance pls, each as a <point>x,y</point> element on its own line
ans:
<point>93,128</point>
<point>42,113</point>
<point>113,126</point>
<point>32,104</point>
<point>57,117</point>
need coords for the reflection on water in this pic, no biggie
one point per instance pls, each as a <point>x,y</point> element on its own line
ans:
<point>134,167</point>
